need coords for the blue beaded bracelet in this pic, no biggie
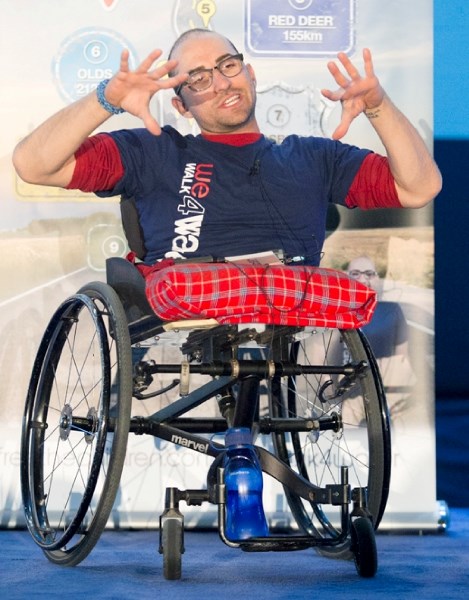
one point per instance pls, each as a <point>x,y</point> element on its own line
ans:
<point>114,110</point>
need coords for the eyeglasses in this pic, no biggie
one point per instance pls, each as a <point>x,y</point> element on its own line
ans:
<point>355,273</point>
<point>201,79</point>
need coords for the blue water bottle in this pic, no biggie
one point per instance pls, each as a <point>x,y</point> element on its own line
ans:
<point>245,516</point>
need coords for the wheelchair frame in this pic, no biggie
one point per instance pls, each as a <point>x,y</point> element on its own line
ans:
<point>85,414</point>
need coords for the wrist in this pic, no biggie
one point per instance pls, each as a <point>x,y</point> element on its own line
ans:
<point>373,112</point>
<point>110,108</point>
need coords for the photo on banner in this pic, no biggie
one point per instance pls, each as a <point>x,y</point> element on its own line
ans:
<point>53,240</point>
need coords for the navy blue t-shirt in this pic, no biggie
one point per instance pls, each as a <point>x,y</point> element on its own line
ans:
<point>197,197</point>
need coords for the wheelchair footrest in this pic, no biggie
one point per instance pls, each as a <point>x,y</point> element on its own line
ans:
<point>276,545</point>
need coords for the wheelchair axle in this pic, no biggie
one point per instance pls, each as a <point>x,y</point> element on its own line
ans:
<point>264,369</point>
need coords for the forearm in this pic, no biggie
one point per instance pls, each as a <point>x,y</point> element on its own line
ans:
<point>417,177</point>
<point>46,155</point>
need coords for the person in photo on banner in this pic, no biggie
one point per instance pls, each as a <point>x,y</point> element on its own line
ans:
<point>388,335</point>
<point>228,190</point>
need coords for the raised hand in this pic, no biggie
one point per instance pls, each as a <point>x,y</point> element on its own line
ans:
<point>133,90</point>
<point>357,93</point>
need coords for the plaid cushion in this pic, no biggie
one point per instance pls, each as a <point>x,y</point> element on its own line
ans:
<point>269,294</point>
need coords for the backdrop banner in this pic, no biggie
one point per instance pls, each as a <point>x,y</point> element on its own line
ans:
<point>52,241</point>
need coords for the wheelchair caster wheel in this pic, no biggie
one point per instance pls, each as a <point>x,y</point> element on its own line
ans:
<point>363,547</point>
<point>172,547</point>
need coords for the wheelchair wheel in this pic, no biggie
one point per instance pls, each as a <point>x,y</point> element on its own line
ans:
<point>354,429</point>
<point>76,424</point>
<point>363,547</point>
<point>172,544</point>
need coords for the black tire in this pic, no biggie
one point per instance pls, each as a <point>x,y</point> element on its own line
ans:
<point>76,424</point>
<point>360,439</point>
<point>172,544</point>
<point>363,547</point>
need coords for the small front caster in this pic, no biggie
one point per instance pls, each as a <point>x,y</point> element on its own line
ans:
<point>172,536</point>
<point>363,546</point>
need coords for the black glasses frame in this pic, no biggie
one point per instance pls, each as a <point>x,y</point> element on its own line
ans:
<point>188,84</point>
<point>368,273</point>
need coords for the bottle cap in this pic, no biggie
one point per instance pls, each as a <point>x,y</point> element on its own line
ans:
<point>238,435</point>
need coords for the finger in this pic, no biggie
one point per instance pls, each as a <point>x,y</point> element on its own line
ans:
<point>124,62</point>
<point>174,82</point>
<point>163,68</point>
<point>341,129</point>
<point>368,63</point>
<point>336,73</point>
<point>352,71</point>
<point>146,64</point>
<point>334,96</point>
<point>160,75</point>
<point>151,123</point>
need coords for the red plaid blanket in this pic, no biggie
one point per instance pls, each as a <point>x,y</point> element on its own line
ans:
<point>273,294</point>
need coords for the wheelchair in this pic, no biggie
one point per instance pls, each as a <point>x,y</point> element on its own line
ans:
<point>312,396</point>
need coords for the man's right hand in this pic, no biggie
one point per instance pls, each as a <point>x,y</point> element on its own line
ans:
<point>47,155</point>
<point>133,90</point>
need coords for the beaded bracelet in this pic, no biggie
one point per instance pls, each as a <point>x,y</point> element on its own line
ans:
<point>111,108</point>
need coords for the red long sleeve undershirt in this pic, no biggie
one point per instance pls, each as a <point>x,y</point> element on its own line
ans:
<point>99,167</point>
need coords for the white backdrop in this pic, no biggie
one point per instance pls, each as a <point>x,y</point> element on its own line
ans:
<point>52,241</point>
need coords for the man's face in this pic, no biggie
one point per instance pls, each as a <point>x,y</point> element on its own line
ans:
<point>363,269</point>
<point>227,106</point>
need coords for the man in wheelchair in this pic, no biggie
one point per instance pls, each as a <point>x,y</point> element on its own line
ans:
<point>226,192</point>
<point>229,190</point>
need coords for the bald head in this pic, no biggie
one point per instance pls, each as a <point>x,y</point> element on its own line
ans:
<point>226,103</point>
<point>192,34</point>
